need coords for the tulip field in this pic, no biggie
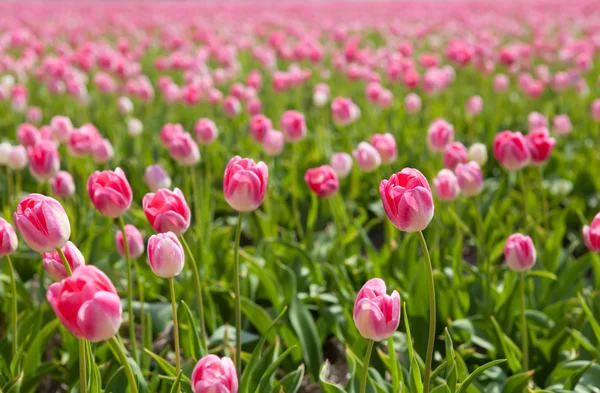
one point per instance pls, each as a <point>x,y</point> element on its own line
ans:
<point>300,197</point>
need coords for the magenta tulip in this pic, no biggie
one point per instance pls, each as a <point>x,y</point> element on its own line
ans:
<point>110,192</point>
<point>167,211</point>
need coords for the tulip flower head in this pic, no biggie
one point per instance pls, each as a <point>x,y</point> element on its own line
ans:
<point>454,153</point>
<point>512,150</point>
<point>367,157</point>
<point>8,238</point>
<point>53,263</point>
<point>386,146</point>
<point>470,178</point>
<point>44,161</point>
<point>540,145</point>
<point>63,185</point>
<point>323,181</point>
<point>206,131</point>
<point>110,192</point>
<point>165,255</point>
<point>439,134</point>
<point>376,314</point>
<point>135,241</point>
<point>293,126</point>
<point>245,183</point>
<point>445,185</point>
<point>259,126</point>
<point>273,142</point>
<point>214,375</point>
<point>341,164</point>
<point>167,211</point>
<point>407,200</point>
<point>591,234</point>
<point>519,252</point>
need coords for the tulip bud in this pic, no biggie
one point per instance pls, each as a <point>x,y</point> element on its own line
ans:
<point>474,105</point>
<point>156,177</point>
<point>135,241</point>
<point>341,164</point>
<point>376,314</point>
<point>478,153</point>
<point>5,149</point>
<point>184,149</point>
<point>18,159</point>
<point>293,126</point>
<point>595,109</point>
<point>407,200</point>
<point>412,103</point>
<point>110,192</point>
<point>232,106</point>
<point>63,185</point>
<point>591,234</point>
<point>61,127</point>
<point>446,186</point>
<point>42,222</point>
<point>53,263</point>
<point>245,183</point>
<point>540,145</point>
<point>28,135</point>
<point>165,255</point>
<point>8,238</point>
<point>34,114</point>
<point>470,178</point>
<point>501,83</point>
<point>322,181</point>
<point>125,105</point>
<point>273,143</point>
<point>259,126</point>
<point>206,131</point>
<point>214,375</point>
<point>519,252</point>
<point>562,125</point>
<point>167,211</point>
<point>439,134</point>
<point>454,153</point>
<point>44,161</point>
<point>367,157</point>
<point>536,120</point>
<point>511,150</point>
<point>386,146</point>
<point>102,152</point>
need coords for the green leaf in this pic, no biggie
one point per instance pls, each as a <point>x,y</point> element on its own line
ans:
<point>451,372</point>
<point>471,378</point>
<point>416,383</point>
<point>507,347</point>
<point>194,335</point>
<point>292,382</point>
<point>14,386</point>
<point>34,352</point>
<point>258,317</point>
<point>327,386</point>
<point>583,341</point>
<point>167,367</point>
<point>590,317</point>
<point>264,380</point>
<point>394,365</point>
<point>517,383</point>
<point>542,274</point>
<point>574,378</point>
<point>176,385</point>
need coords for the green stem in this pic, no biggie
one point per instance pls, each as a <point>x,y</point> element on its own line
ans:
<point>197,199</point>
<point>295,211</point>
<point>175,327</point>
<point>524,195</point>
<point>129,292</point>
<point>140,286</point>
<point>63,258</point>
<point>524,338</point>
<point>365,374</point>
<point>238,300</point>
<point>432,313</point>
<point>198,290</point>
<point>482,254</point>
<point>114,343</point>
<point>13,288</point>
<point>82,367</point>
<point>9,186</point>
<point>544,198</point>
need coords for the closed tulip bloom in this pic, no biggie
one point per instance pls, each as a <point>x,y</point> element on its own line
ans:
<point>156,177</point>
<point>323,181</point>
<point>501,83</point>
<point>454,153</point>
<point>110,192</point>
<point>54,265</point>
<point>540,145</point>
<point>293,125</point>
<point>135,241</point>
<point>321,95</point>
<point>259,126</point>
<point>536,120</point>
<point>87,304</point>
<point>61,126</point>
<point>167,211</point>
<point>474,105</point>
<point>445,185</point>
<point>42,222</point>
<point>17,159</point>
<point>407,200</point>
<point>412,103</point>
<point>470,178</point>
<point>125,105</point>
<point>214,375</point>
<point>206,131</point>
<point>439,134</point>
<point>135,127</point>
<point>561,124</point>
<point>376,314</point>
<point>34,114</point>
<point>386,99</point>
<point>165,255</point>
<point>511,150</point>
<point>5,149</point>
<point>232,106</point>
<point>184,149</point>
<point>63,185</point>
<point>245,183</point>
<point>386,146</point>
<point>103,151</point>
<point>344,111</point>
<point>519,252</point>
<point>341,164</point>
<point>169,132</point>
<point>591,234</point>
<point>367,157</point>
<point>595,109</point>
<point>28,135</point>
<point>44,161</point>
<point>82,140</point>
<point>273,143</point>
<point>8,238</point>
<point>477,152</point>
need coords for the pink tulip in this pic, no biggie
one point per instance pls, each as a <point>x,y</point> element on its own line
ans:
<point>28,135</point>
<point>591,234</point>
<point>125,105</point>
<point>44,161</point>
<point>53,263</point>
<point>206,131</point>
<point>170,132</point>
<point>63,185</point>
<point>540,145</point>
<point>470,178</point>
<point>386,99</point>
<point>8,238</point>
<point>82,140</point>
<point>511,150</point>
<point>156,177</point>
<point>386,146</point>
<point>110,192</point>
<point>519,252</point>
<point>501,83</point>
<point>536,120</point>
<point>61,127</point>
<point>454,153</point>
<point>474,105</point>
<point>561,124</point>
<point>439,134</point>
<point>344,111</point>
<point>17,158</point>
<point>254,106</point>
<point>376,314</point>
<point>135,241</point>
<point>214,375</point>
<point>34,114</point>
<point>407,200</point>
<point>445,185</point>
<point>87,304</point>
<point>167,211</point>
<point>321,94</point>
<point>323,181</point>
<point>232,106</point>
<point>245,183</point>
<point>367,157</point>
<point>165,255</point>
<point>102,152</point>
<point>259,126</point>
<point>293,126</point>
<point>184,149</point>
<point>273,143</point>
<point>412,103</point>
<point>341,164</point>
<point>42,222</point>
<point>595,109</point>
